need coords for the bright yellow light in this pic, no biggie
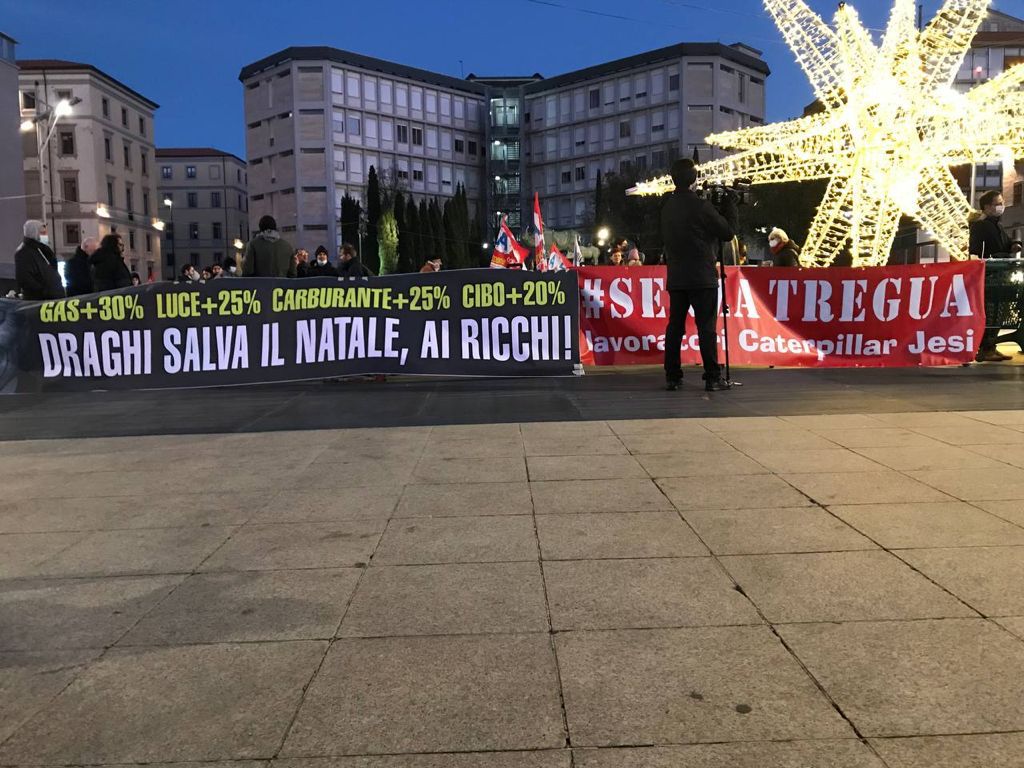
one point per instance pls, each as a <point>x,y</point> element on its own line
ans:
<point>27,125</point>
<point>239,245</point>
<point>603,233</point>
<point>102,212</point>
<point>63,108</point>
<point>891,128</point>
<point>158,225</point>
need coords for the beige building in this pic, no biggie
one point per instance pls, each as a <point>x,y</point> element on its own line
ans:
<point>97,173</point>
<point>12,187</point>
<point>207,216</point>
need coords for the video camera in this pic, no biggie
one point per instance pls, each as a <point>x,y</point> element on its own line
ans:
<point>717,194</point>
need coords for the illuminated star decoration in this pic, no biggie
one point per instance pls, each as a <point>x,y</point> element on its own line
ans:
<point>890,129</point>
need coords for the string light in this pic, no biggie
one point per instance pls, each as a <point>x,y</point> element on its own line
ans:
<point>890,128</point>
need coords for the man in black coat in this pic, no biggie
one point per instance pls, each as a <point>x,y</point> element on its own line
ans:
<point>321,266</point>
<point>692,230</point>
<point>349,265</point>
<point>109,270</point>
<point>990,241</point>
<point>77,271</point>
<point>35,265</point>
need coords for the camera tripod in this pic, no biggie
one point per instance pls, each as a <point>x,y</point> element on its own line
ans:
<point>725,316</point>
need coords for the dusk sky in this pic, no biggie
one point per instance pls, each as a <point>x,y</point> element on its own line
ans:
<point>186,54</point>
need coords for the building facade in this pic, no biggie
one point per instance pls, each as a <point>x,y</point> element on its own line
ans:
<point>318,118</point>
<point>97,172</point>
<point>12,186</point>
<point>204,203</point>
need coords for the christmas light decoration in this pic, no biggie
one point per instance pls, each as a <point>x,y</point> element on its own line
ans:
<point>891,127</point>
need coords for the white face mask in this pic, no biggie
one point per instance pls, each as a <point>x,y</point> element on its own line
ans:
<point>44,239</point>
<point>321,261</point>
<point>999,210</point>
<point>232,269</point>
<point>774,242</point>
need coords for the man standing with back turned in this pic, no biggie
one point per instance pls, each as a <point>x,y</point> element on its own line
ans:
<point>691,230</point>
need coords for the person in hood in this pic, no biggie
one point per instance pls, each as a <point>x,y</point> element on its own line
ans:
<point>109,272</point>
<point>268,254</point>
<point>77,272</point>
<point>989,241</point>
<point>35,265</point>
<point>321,266</point>
<point>230,267</point>
<point>349,265</point>
<point>785,253</point>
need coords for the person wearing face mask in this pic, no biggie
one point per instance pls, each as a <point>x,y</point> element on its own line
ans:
<point>321,266</point>
<point>990,241</point>
<point>35,265</point>
<point>230,267</point>
<point>785,253</point>
<point>109,272</point>
<point>189,274</point>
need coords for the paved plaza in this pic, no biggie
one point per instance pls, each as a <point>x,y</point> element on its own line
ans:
<point>732,592</point>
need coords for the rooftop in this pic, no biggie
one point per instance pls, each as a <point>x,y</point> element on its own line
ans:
<point>59,65</point>
<point>186,152</point>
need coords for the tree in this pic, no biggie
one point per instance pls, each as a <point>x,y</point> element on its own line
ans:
<point>424,235</point>
<point>388,231</point>
<point>451,251</point>
<point>437,250</point>
<point>409,238</point>
<point>398,208</point>
<point>351,213</point>
<point>477,255</point>
<point>370,253</point>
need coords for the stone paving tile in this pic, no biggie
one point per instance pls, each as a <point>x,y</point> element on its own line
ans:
<point>778,440</point>
<point>29,680</point>
<point>729,461</point>
<point>564,430</point>
<point>814,460</point>
<point>452,500</point>
<point>724,424</point>
<point>678,427</point>
<point>990,579</point>
<point>168,704</point>
<point>75,613</point>
<point>834,421</point>
<point>839,586</point>
<point>547,758</point>
<point>461,599</point>
<point>688,685</point>
<point>476,431</point>
<point>584,468</point>
<point>575,496</point>
<point>472,448</point>
<point>299,505</point>
<point>1013,623</point>
<point>910,457</point>
<point>938,524</point>
<point>139,551</point>
<point>339,544</point>
<point>746,492</point>
<point>883,487</point>
<point>925,419</point>
<point>499,469</point>
<point>986,750</point>
<point>431,694</point>
<point>690,441</point>
<point>766,531</point>
<point>917,678</point>
<point>21,554</point>
<point>640,594</point>
<point>973,434</point>
<point>580,445</point>
<point>354,471</point>
<point>616,534</point>
<point>250,606</point>
<point>996,417</point>
<point>1001,454</point>
<point>847,753</point>
<point>1006,483</point>
<point>886,437</point>
<point>458,540</point>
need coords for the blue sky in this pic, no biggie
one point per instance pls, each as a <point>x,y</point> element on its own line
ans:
<point>186,54</point>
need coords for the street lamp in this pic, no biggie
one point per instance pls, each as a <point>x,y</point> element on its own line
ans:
<point>239,245</point>
<point>169,237</point>
<point>603,233</point>
<point>49,118</point>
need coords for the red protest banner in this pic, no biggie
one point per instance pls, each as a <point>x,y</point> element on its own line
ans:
<point>924,314</point>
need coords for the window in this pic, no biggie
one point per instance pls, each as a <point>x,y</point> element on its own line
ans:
<point>566,177</point>
<point>460,146</point>
<point>193,230</point>
<point>142,126</point>
<point>581,173</point>
<point>192,199</point>
<point>108,150</point>
<point>217,233</point>
<point>124,117</point>
<point>354,126</point>
<point>169,258</point>
<point>595,98</point>
<point>110,193</point>
<point>417,137</point>
<point>658,159</point>
<point>128,199</point>
<point>402,134</point>
<point>190,171</point>
<point>625,167</point>
<point>145,203</point>
<point>673,82</point>
<point>131,239</point>
<point>127,155</point>
<point>417,174</point>
<point>72,234</point>
<point>149,243</point>
<point>472,149</point>
<point>641,163</point>
<point>625,129</point>
<point>64,95</point>
<point>432,139</point>
<point>67,142</point>
<point>69,188</point>
<point>166,172</point>
<point>385,92</point>
<point>144,162</point>
<point>215,199</point>
<point>743,88</point>
<point>106,106</point>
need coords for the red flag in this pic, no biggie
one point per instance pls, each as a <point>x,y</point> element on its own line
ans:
<point>508,253</point>
<point>557,260</point>
<point>538,228</point>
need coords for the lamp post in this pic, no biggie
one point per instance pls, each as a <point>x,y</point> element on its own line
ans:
<point>47,120</point>
<point>169,203</point>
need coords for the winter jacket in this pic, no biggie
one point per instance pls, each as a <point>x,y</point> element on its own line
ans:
<point>78,274</point>
<point>35,269</point>
<point>313,269</point>
<point>268,255</point>
<point>691,230</point>
<point>353,269</point>
<point>989,239</point>
<point>109,272</point>
<point>788,255</point>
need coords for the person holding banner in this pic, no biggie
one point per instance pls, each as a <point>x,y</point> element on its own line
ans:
<point>692,230</point>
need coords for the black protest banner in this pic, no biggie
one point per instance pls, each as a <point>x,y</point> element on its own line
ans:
<point>247,331</point>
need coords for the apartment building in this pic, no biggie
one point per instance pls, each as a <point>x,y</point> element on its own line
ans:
<point>96,174</point>
<point>204,202</point>
<point>318,118</point>
<point>12,186</point>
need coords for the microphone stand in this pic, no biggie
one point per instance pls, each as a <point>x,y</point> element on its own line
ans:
<point>725,315</point>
